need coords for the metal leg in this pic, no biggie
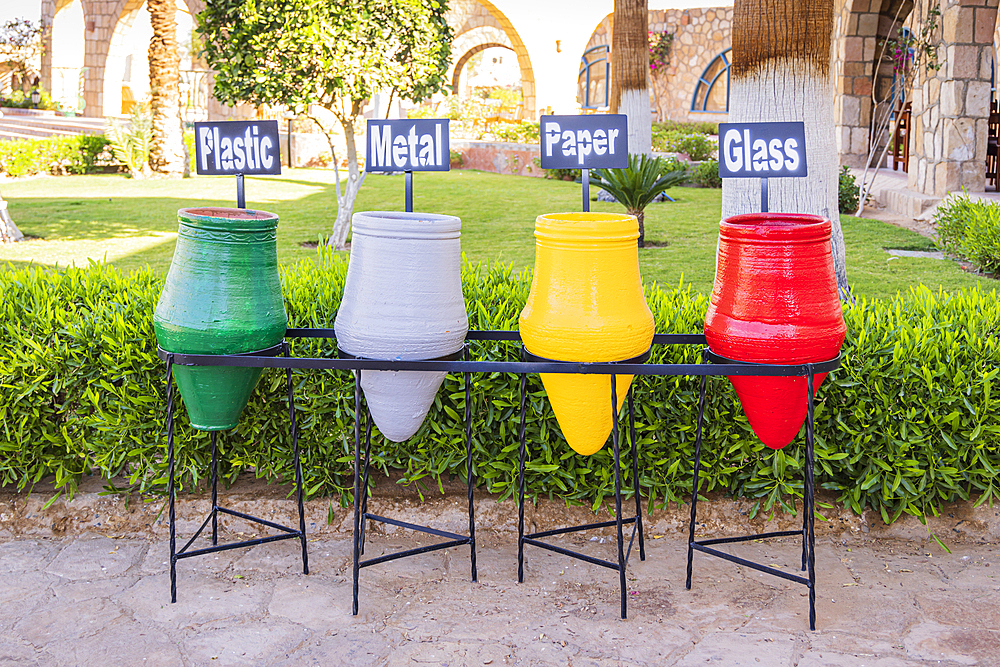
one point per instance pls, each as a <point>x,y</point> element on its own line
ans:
<point>469,475</point>
<point>618,496</point>
<point>170,479</point>
<point>809,503</point>
<point>635,476</point>
<point>694,483</point>
<point>364,479</point>
<point>215,488</point>
<point>357,486</point>
<point>520,485</point>
<point>297,462</point>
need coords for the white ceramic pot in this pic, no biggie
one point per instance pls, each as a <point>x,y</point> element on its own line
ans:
<point>402,300</point>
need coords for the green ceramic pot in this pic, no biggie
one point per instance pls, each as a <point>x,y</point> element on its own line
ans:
<point>222,296</point>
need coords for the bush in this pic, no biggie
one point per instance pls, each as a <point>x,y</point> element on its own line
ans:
<point>706,174</point>
<point>697,147</point>
<point>848,192</point>
<point>686,127</point>
<point>970,229</point>
<point>522,132</point>
<point>671,164</point>
<point>911,421</point>
<point>79,154</point>
<point>21,100</point>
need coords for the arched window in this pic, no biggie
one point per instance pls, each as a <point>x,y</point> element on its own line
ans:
<point>711,94</point>
<point>592,82</point>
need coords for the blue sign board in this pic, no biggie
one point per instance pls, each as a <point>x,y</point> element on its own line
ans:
<point>408,145</point>
<point>598,141</point>
<point>762,150</point>
<point>237,147</point>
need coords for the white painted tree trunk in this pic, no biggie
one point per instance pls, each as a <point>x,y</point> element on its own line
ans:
<point>347,194</point>
<point>635,105</point>
<point>9,233</point>
<point>787,91</point>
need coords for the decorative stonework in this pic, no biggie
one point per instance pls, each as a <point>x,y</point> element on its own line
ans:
<point>699,36</point>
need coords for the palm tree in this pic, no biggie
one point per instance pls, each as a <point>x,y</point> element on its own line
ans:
<point>781,72</point>
<point>630,70</point>
<point>637,185</point>
<point>166,154</point>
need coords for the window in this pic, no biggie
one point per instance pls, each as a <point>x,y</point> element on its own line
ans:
<point>592,82</point>
<point>711,94</point>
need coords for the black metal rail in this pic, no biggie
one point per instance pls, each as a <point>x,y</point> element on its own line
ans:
<point>459,362</point>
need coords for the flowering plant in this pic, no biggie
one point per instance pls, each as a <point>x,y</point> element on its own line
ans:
<point>660,45</point>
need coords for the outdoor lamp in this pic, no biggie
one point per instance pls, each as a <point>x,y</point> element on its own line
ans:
<point>36,95</point>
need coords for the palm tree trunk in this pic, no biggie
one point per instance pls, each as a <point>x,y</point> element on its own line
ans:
<point>781,72</point>
<point>630,71</point>
<point>166,154</point>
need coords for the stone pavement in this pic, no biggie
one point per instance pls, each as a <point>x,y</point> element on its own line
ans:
<point>97,600</point>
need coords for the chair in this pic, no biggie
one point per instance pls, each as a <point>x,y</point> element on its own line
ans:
<point>901,138</point>
<point>128,100</point>
<point>993,131</point>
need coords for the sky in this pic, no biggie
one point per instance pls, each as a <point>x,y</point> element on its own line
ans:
<point>20,9</point>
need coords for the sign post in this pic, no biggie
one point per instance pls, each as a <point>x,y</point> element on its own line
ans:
<point>762,150</point>
<point>585,143</point>
<point>237,147</point>
<point>408,145</point>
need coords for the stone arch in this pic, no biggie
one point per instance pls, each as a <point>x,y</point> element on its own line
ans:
<point>460,63</point>
<point>860,27</point>
<point>467,15</point>
<point>951,106</point>
<point>64,53</point>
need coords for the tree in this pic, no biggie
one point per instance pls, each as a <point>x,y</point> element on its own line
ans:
<point>20,47</point>
<point>781,72</point>
<point>166,152</point>
<point>630,70</point>
<point>332,55</point>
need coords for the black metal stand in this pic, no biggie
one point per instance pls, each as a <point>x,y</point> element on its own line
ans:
<point>534,539</point>
<point>361,514</point>
<point>808,496</point>
<point>460,363</point>
<point>213,516</point>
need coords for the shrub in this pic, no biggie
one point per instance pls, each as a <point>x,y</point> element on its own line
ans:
<point>703,127</point>
<point>706,174</point>
<point>522,132</point>
<point>131,141</point>
<point>671,164</point>
<point>57,155</point>
<point>910,422</point>
<point>970,229</point>
<point>696,146</point>
<point>848,192</point>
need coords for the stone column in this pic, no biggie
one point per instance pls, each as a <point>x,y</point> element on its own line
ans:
<point>855,39</point>
<point>48,14</point>
<point>951,105</point>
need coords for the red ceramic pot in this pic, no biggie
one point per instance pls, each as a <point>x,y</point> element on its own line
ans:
<point>775,301</point>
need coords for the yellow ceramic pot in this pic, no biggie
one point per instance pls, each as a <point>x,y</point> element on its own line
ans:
<point>586,304</point>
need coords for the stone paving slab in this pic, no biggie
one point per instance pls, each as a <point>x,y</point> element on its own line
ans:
<point>94,600</point>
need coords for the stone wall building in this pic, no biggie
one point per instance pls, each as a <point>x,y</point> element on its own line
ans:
<point>558,44</point>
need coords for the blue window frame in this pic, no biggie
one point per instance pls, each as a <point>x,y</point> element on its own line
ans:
<point>711,93</point>
<point>595,72</point>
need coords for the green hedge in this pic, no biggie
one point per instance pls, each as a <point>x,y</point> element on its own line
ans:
<point>971,230</point>
<point>79,154</point>
<point>910,422</point>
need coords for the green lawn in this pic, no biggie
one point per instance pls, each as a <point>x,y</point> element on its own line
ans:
<point>132,223</point>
